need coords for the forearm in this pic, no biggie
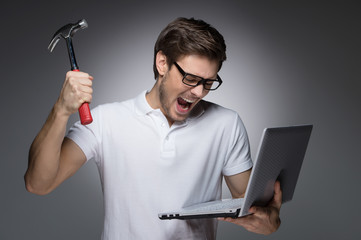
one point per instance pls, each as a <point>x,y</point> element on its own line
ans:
<point>44,154</point>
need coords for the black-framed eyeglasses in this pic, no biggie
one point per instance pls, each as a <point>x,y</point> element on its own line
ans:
<point>194,80</point>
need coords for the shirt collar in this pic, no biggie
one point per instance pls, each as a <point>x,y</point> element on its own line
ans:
<point>142,107</point>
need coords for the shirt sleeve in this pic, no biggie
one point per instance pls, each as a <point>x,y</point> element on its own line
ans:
<point>87,137</point>
<point>238,157</point>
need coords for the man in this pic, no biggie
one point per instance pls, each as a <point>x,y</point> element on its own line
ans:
<point>165,149</point>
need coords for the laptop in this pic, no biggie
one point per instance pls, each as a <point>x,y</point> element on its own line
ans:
<point>279,157</point>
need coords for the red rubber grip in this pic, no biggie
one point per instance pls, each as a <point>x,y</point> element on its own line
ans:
<point>84,114</point>
<point>84,111</point>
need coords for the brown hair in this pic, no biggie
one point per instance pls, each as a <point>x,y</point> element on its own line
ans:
<point>189,36</point>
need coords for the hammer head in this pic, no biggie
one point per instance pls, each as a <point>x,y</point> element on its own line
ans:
<point>67,31</point>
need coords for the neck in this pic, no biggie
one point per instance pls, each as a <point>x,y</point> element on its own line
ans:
<point>153,97</point>
<point>153,100</point>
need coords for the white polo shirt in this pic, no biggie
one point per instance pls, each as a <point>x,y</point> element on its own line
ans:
<point>147,167</point>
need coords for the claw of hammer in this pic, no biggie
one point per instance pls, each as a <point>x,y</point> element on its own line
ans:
<point>67,32</point>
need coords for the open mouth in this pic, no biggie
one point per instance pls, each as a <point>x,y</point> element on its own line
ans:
<point>184,105</point>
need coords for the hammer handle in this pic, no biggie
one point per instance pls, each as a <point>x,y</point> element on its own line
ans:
<point>84,111</point>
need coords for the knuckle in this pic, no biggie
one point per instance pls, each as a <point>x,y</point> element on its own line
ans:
<point>74,88</point>
<point>68,74</point>
<point>71,80</point>
<point>87,83</point>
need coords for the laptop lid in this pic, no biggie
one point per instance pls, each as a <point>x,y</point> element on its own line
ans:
<point>279,157</point>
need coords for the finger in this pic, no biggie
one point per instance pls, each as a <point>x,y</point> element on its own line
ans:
<point>86,82</point>
<point>85,89</point>
<point>227,219</point>
<point>86,98</point>
<point>246,222</point>
<point>239,220</point>
<point>257,211</point>
<point>254,209</point>
<point>277,198</point>
<point>78,74</point>
<point>74,83</point>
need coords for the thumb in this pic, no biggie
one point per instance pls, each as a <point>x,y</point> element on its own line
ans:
<point>277,198</point>
<point>254,209</point>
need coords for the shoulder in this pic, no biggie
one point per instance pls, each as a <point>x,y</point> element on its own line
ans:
<point>218,112</point>
<point>221,118</point>
<point>213,116</point>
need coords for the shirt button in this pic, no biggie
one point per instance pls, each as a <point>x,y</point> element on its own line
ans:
<point>163,125</point>
<point>167,138</point>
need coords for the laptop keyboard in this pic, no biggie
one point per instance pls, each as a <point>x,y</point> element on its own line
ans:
<point>215,205</point>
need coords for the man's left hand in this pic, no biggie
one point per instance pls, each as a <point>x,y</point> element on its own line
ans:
<point>263,220</point>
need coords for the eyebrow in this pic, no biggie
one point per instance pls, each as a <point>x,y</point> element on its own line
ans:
<point>184,72</point>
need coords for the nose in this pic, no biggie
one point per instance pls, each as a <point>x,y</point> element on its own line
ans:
<point>198,91</point>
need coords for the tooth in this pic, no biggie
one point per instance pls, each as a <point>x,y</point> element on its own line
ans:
<point>189,101</point>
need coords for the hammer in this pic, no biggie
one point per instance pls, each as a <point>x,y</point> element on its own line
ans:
<point>67,32</point>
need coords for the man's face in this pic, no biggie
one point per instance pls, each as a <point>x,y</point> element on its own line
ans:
<point>177,99</point>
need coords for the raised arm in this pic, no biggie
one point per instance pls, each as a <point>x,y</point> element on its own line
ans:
<point>53,158</point>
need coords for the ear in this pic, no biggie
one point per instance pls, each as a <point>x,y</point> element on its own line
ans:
<point>161,63</point>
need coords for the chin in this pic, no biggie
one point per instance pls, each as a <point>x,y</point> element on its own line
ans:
<point>178,117</point>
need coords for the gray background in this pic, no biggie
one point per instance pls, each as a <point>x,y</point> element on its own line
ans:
<point>289,62</point>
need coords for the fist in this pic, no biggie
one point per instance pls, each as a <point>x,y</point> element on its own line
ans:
<point>77,89</point>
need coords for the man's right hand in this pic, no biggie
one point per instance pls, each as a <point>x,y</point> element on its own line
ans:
<point>77,89</point>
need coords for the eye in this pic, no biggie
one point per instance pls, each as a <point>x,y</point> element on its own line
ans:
<point>192,79</point>
<point>209,83</point>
